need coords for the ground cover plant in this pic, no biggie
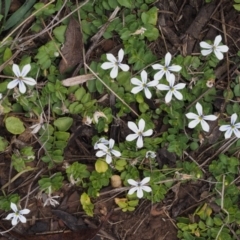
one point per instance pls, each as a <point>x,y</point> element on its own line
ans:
<point>122,112</point>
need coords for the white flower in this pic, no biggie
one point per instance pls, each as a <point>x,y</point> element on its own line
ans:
<point>21,78</point>
<point>101,140</point>
<point>214,48</point>
<point>143,85</point>
<point>172,90</point>
<point>139,31</point>
<point>166,68</point>
<point>139,134</point>
<point>38,126</point>
<point>115,64</point>
<point>17,215</point>
<point>139,187</point>
<point>150,154</point>
<point>200,118</point>
<point>232,128</point>
<point>49,200</point>
<point>0,95</point>
<point>108,151</point>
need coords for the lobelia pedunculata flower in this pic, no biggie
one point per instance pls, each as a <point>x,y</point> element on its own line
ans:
<point>139,187</point>
<point>215,47</point>
<point>115,64</point>
<point>200,118</point>
<point>21,78</point>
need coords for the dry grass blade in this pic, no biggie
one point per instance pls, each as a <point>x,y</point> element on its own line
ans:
<point>77,80</point>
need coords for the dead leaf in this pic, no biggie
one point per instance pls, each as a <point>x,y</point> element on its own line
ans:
<point>77,80</point>
<point>73,47</point>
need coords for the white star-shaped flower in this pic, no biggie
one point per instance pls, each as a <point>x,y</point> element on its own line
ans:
<point>143,85</point>
<point>108,151</point>
<point>17,215</point>
<point>50,200</point>
<point>115,64</point>
<point>139,187</point>
<point>172,90</point>
<point>232,128</point>
<point>166,69</point>
<point>218,50</point>
<point>139,134</point>
<point>200,118</point>
<point>21,78</point>
<point>36,127</point>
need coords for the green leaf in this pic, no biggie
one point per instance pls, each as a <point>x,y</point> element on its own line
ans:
<point>63,123</point>
<point>237,7</point>
<point>59,32</point>
<point>237,90</point>
<point>63,136</point>
<point>125,3</point>
<point>150,16</point>
<point>101,166</point>
<point>14,125</point>
<point>3,144</point>
<point>87,205</point>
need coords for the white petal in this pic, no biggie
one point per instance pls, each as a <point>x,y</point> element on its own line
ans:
<point>223,48</point>
<point>10,215</point>
<point>205,45</point>
<point>204,125</point>
<point>153,83</point>
<point>136,90</point>
<point>100,153</point>
<point>210,117</point>
<point>168,58</point>
<point>145,180</point>
<point>148,133</point>
<point>108,158</point>
<point>24,211</point>
<point>171,79</point>
<point>102,147</point>
<point>199,109</point>
<point>168,75</point>
<point>233,118</point>
<point>111,58</point>
<point>163,87</point>
<point>140,142</point>
<point>136,81</point>
<point>114,72</point>
<point>218,54</point>
<point>139,193</point>
<point>29,81</point>
<point>236,132</point>
<point>175,68</point>
<point>157,66</point>
<point>132,182</point>
<point>159,75</point>
<point>144,76</point>
<point>107,65</point>
<point>228,133</point>
<point>15,220</point>
<point>178,95</point>
<point>206,52</point>
<point>141,125</point>
<point>124,67</point>
<point>237,125</point>
<point>217,40</point>
<point>26,69</point>
<point>22,219</point>
<point>224,128</point>
<point>148,94</point>
<point>192,116</point>
<point>120,55</point>
<point>111,143</point>
<point>180,86</point>
<point>22,87</point>
<point>131,137</point>
<point>16,70</point>
<point>146,188</point>
<point>133,127</point>
<point>14,207</point>
<point>116,153</point>
<point>132,190</point>
<point>13,84</point>
<point>168,97</point>
<point>193,123</point>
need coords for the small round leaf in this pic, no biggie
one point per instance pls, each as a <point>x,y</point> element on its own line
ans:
<point>14,125</point>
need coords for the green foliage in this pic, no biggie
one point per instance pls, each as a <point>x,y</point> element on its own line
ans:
<point>86,204</point>
<point>14,125</point>
<point>5,201</point>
